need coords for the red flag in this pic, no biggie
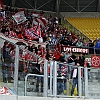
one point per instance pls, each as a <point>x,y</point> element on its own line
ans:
<point>95,61</point>
<point>42,20</point>
<point>33,33</point>
<point>1,5</point>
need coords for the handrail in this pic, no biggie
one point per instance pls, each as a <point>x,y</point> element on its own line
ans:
<point>26,81</point>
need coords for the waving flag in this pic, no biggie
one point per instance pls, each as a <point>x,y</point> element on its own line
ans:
<point>19,17</point>
<point>39,18</point>
<point>33,33</point>
<point>35,14</point>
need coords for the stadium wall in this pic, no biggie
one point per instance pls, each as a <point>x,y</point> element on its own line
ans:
<point>13,97</point>
<point>81,14</point>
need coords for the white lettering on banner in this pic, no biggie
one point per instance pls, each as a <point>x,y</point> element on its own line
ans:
<point>81,50</point>
<point>67,49</point>
<point>73,49</point>
<point>85,50</point>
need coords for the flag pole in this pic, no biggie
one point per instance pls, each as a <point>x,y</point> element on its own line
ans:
<point>40,30</point>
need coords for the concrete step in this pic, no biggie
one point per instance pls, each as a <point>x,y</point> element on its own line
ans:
<point>94,94</point>
<point>20,93</point>
<point>34,94</point>
<point>7,84</point>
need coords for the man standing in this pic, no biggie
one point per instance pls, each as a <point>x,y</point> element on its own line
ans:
<point>74,77</point>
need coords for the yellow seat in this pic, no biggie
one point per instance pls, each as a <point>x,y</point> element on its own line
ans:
<point>88,26</point>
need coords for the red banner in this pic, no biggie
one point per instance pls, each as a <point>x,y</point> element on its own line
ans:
<point>95,61</point>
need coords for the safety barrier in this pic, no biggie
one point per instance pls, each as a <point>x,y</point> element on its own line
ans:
<point>15,77</point>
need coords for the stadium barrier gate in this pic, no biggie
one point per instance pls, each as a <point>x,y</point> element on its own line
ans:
<point>17,75</point>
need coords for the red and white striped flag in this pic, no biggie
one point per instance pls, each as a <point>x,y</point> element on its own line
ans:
<point>38,18</point>
<point>41,20</point>
<point>35,14</point>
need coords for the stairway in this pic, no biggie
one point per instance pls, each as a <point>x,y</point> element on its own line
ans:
<point>94,83</point>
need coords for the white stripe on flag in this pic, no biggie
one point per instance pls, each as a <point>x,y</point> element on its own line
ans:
<point>39,20</point>
<point>43,19</point>
<point>35,22</point>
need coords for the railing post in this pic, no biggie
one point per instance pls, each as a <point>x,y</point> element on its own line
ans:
<point>79,82</point>
<point>45,93</point>
<point>86,81</point>
<point>51,78</point>
<point>25,88</point>
<point>55,79</point>
<point>16,70</point>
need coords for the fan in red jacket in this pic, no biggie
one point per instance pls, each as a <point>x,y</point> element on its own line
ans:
<point>56,54</point>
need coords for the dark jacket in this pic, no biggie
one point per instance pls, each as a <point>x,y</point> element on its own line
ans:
<point>73,73</point>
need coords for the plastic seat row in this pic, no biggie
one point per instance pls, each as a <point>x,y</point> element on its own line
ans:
<point>88,26</point>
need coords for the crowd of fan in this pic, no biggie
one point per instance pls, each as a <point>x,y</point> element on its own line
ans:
<point>55,38</point>
<point>52,34</point>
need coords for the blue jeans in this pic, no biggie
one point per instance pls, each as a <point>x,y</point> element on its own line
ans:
<point>71,66</point>
<point>39,79</point>
<point>75,82</point>
<point>60,87</point>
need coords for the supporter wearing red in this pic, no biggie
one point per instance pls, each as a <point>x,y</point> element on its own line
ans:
<point>41,51</point>
<point>12,54</point>
<point>19,34</point>
<point>73,35</point>
<point>56,54</point>
<point>12,34</point>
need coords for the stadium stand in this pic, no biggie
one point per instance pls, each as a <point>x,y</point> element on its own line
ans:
<point>41,38</point>
<point>88,26</point>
